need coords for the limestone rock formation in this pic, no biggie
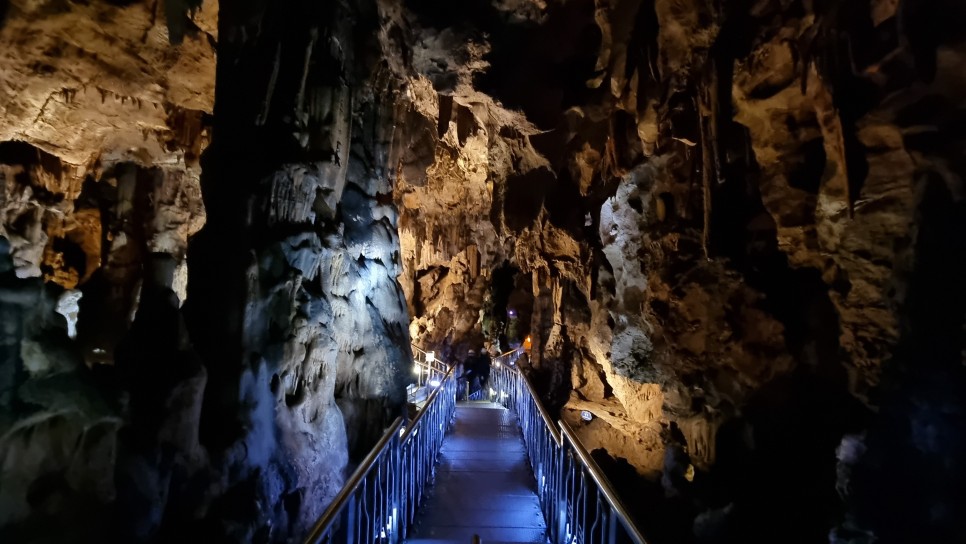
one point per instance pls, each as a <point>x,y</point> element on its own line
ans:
<point>718,212</point>
<point>192,352</point>
<point>731,231</point>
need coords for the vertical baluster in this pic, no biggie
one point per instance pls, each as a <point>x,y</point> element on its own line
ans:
<point>383,497</point>
<point>352,520</point>
<point>562,501</point>
<point>396,482</point>
<point>612,528</point>
<point>600,524</point>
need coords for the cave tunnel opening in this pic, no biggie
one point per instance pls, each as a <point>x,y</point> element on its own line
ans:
<point>511,306</point>
<point>807,173</point>
<point>25,154</point>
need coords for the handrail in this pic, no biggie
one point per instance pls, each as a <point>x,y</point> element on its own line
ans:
<point>577,500</point>
<point>603,484</point>
<point>432,369</point>
<point>422,413</point>
<point>379,501</point>
<point>548,421</point>
<point>420,445</point>
<point>512,351</point>
<point>352,484</point>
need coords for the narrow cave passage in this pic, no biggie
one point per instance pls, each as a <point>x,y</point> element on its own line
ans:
<point>723,238</point>
<point>507,319</point>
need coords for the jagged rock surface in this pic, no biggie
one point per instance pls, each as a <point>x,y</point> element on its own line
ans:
<point>721,213</point>
<point>102,130</point>
<point>138,405</point>
<point>732,232</point>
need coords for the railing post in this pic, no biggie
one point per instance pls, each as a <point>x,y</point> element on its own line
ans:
<point>560,500</point>
<point>612,527</point>
<point>351,519</point>
<point>396,492</point>
<point>540,490</point>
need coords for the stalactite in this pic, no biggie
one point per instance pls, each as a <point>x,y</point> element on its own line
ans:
<point>306,65</point>
<point>270,88</point>
<point>707,166</point>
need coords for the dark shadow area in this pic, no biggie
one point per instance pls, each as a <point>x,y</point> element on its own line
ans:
<point>774,479</point>
<point>501,314</point>
<point>176,14</point>
<point>566,207</point>
<point>911,484</point>
<point>543,70</point>
<point>525,194</point>
<point>806,173</point>
<point>473,15</point>
<point>661,519</point>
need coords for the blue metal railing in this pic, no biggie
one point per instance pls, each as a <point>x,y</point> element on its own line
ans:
<point>379,501</point>
<point>577,500</point>
<point>429,372</point>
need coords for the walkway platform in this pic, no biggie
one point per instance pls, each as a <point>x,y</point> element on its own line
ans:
<point>483,485</point>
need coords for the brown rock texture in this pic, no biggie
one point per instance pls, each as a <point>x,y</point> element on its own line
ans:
<point>712,220</point>
<point>193,353</point>
<point>732,232</point>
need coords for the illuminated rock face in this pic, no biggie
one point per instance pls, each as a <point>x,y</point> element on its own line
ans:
<point>193,354</point>
<point>722,219</point>
<point>733,232</point>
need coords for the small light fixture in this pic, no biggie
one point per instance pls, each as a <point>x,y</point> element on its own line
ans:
<point>586,415</point>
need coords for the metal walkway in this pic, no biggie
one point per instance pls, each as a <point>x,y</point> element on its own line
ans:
<point>459,470</point>
<point>483,485</point>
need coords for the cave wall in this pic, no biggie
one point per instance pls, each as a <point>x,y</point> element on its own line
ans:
<point>726,212</point>
<point>203,330</point>
<point>733,231</point>
<point>300,246</point>
<point>102,131</point>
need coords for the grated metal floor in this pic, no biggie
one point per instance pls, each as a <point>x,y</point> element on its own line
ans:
<point>483,486</point>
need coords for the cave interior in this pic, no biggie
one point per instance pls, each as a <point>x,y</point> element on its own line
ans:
<point>733,231</point>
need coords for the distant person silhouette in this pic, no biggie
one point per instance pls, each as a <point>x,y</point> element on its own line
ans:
<point>470,373</point>
<point>483,362</point>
